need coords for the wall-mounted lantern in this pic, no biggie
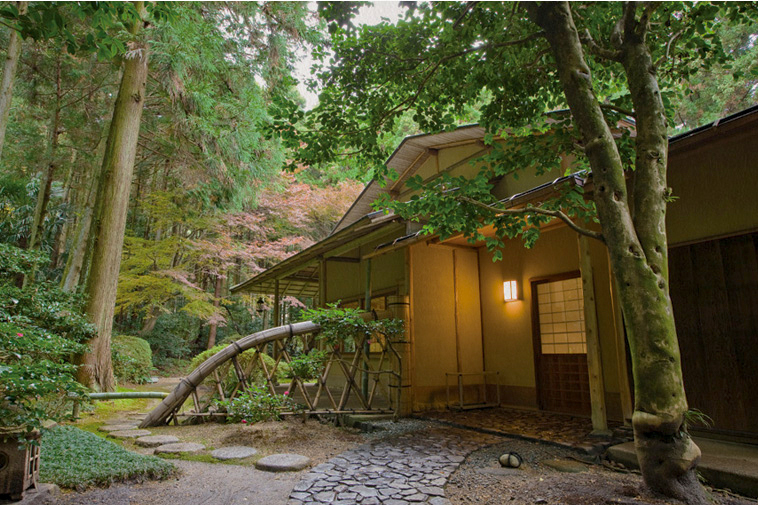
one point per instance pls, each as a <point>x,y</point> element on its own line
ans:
<point>510,291</point>
<point>260,305</point>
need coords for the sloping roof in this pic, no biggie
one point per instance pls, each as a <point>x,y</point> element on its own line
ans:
<point>410,150</point>
<point>298,275</point>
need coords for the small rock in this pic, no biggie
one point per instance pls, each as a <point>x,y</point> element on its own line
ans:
<point>179,448</point>
<point>156,440</point>
<point>129,434</point>
<point>283,463</point>
<point>234,452</point>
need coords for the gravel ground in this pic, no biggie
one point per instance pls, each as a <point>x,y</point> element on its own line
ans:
<point>481,480</point>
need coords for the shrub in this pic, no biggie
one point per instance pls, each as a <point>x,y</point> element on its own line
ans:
<point>254,405</point>
<point>309,366</point>
<point>171,337</point>
<point>132,359</point>
<point>229,377</point>
<point>40,328</point>
<point>74,458</point>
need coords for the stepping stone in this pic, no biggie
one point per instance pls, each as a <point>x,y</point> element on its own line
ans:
<point>283,463</point>
<point>179,448</point>
<point>156,440</point>
<point>128,420</point>
<point>129,433</point>
<point>565,465</point>
<point>234,452</point>
<point>117,427</point>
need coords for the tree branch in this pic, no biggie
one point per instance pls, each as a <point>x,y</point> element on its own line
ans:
<point>602,52</point>
<point>617,109</point>
<point>529,209</point>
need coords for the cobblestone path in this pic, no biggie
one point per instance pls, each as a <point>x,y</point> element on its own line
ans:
<point>402,470</point>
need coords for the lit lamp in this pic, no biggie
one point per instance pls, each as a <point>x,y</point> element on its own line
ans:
<point>510,291</point>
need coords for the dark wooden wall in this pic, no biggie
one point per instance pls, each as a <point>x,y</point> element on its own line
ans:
<point>714,290</point>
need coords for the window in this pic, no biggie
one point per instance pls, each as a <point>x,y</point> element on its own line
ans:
<point>561,317</point>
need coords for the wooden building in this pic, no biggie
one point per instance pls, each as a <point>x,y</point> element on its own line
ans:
<point>559,346</point>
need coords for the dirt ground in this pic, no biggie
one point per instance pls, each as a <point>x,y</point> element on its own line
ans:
<point>481,480</point>
<point>202,482</point>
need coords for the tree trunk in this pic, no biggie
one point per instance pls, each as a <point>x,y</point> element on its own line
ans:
<point>43,195</point>
<point>216,303</point>
<point>96,369</point>
<point>9,75</point>
<point>72,275</point>
<point>637,246</point>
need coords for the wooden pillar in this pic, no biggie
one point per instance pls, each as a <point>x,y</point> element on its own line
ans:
<point>625,390</point>
<point>276,322</point>
<point>366,345</point>
<point>400,307</point>
<point>322,282</point>
<point>594,357</point>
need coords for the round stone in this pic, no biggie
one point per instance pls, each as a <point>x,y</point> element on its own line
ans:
<point>179,448</point>
<point>117,427</point>
<point>234,452</point>
<point>283,463</point>
<point>156,440</point>
<point>510,460</point>
<point>129,433</point>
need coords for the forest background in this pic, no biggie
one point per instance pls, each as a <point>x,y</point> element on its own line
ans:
<point>209,201</point>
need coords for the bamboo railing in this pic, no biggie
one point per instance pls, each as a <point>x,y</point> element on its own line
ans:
<point>169,408</point>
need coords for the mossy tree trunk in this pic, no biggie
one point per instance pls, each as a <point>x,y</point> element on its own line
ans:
<point>636,241</point>
<point>9,75</point>
<point>96,369</point>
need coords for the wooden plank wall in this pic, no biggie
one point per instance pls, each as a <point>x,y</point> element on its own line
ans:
<point>714,290</point>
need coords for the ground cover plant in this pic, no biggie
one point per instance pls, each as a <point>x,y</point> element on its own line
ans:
<point>77,459</point>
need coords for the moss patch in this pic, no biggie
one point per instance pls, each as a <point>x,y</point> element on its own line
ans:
<point>77,459</point>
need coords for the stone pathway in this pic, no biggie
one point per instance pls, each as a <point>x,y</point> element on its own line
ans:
<point>403,470</point>
<point>559,429</point>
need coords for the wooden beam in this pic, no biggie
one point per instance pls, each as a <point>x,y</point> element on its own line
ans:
<point>455,165</point>
<point>420,160</point>
<point>343,259</point>
<point>366,345</point>
<point>322,283</point>
<point>594,357</point>
<point>276,303</point>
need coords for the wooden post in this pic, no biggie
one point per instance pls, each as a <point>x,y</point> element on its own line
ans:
<point>594,358</point>
<point>366,345</point>
<point>401,310</point>
<point>322,282</point>
<point>277,302</point>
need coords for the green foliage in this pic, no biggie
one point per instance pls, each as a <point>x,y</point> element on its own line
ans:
<point>78,459</point>
<point>132,359</point>
<point>248,361</point>
<point>309,366</point>
<point>340,325</point>
<point>254,405</point>
<point>40,328</point>
<point>172,337</point>
<point>444,58</point>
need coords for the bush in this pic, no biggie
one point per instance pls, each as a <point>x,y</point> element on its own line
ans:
<point>41,327</point>
<point>309,366</point>
<point>170,339</point>
<point>77,459</point>
<point>132,359</point>
<point>254,405</point>
<point>229,377</point>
